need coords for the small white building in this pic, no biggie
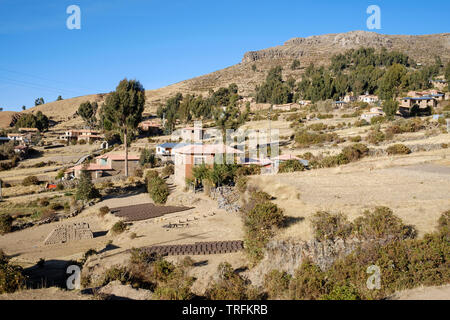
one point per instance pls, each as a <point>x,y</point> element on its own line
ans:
<point>367,98</point>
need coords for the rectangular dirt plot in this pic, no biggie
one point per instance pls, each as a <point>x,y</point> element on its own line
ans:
<point>145,211</point>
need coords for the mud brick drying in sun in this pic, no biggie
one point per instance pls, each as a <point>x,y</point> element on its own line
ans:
<point>198,248</point>
<point>69,233</point>
<point>145,211</point>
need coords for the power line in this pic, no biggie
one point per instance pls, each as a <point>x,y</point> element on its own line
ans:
<point>50,80</point>
<point>37,86</point>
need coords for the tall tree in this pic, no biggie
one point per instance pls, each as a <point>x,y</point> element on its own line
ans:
<point>39,101</point>
<point>123,109</point>
<point>87,111</point>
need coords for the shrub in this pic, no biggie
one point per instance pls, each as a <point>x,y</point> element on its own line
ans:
<point>5,223</point>
<point>30,180</point>
<point>248,170</point>
<point>398,149</point>
<point>229,286</point>
<point>318,126</point>
<point>150,174</point>
<point>327,226</point>
<point>276,283</point>
<point>118,227</point>
<point>56,206</point>
<point>355,139</point>
<point>375,136</point>
<point>361,123</point>
<point>444,223</point>
<point>43,202</point>
<point>290,166</point>
<point>260,222</point>
<point>11,276</point>
<point>158,190</point>
<point>377,120</point>
<point>85,188</point>
<point>241,183</point>
<point>342,292</point>
<point>306,139</point>
<point>381,223</point>
<point>168,170</point>
<point>138,172</point>
<point>103,211</point>
<point>309,282</point>
<point>355,152</point>
<point>147,158</point>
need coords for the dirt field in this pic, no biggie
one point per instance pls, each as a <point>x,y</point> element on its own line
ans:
<point>415,187</point>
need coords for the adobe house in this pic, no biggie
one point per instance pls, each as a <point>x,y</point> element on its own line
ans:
<point>151,127</point>
<point>95,170</point>
<point>83,134</point>
<point>192,133</point>
<point>117,162</point>
<point>189,156</point>
<point>413,106</point>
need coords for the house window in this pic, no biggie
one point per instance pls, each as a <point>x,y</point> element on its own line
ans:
<point>199,160</point>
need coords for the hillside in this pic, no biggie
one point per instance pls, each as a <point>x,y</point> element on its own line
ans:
<point>314,49</point>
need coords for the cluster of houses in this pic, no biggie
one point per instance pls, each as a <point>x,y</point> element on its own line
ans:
<point>415,103</point>
<point>105,165</point>
<point>419,103</point>
<point>22,139</point>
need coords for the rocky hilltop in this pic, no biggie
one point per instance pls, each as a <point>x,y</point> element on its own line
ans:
<point>421,48</point>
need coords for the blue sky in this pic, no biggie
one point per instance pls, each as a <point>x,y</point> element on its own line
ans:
<point>164,42</point>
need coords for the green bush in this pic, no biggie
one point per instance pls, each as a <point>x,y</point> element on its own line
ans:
<point>85,188</point>
<point>158,190</point>
<point>375,136</point>
<point>118,227</point>
<point>327,226</point>
<point>241,183</point>
<point>305,139</point>
<point>230,286</point>
<point>398,149</point>
<point>30,180</point>
<point>103,211</point>
<point>356,139</point>
<point>381,223</point>
<point>290,166</point>
<point>444,223</point>
<point>276,283</point>
<point>11,276</point>
<point>261,219</point>
<point>248,170</point>
<point>318,126</point>
<point>309,282</point>
<point>355,152</point>
<point>5,223</point>
<point>343,292</point>
<point>168,170</point>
